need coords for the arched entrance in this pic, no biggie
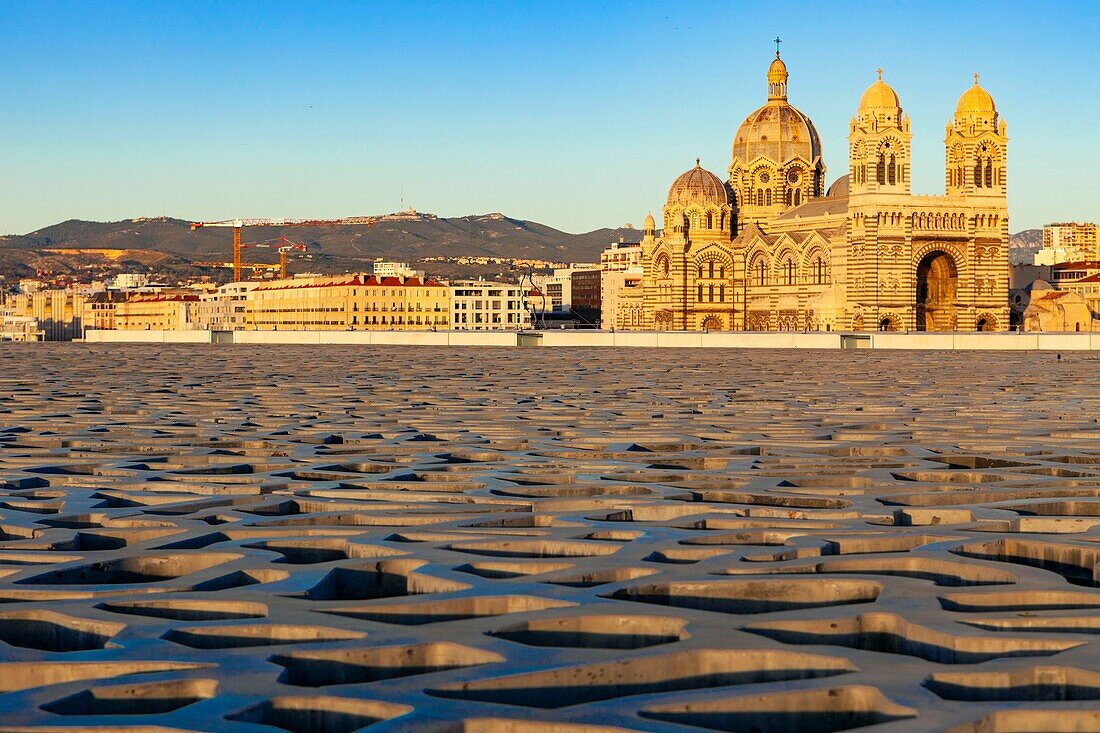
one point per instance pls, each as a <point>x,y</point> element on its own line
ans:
<point>712,323</point>
<point>937,286</point>
<point>986,323</point>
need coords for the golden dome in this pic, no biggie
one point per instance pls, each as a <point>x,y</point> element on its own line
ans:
<point>697,186</point>
<point>650,222</point>
<point>879,95</point>
<point>976,100</point>
<point>777,130</point>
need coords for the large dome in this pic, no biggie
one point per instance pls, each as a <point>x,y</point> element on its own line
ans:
<point>698,186</point>
<point>777,130</point>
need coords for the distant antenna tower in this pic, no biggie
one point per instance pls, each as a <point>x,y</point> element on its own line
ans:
<point>402,207</point>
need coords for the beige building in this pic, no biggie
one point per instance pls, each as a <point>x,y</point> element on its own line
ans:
<point>621,256</point>
<point>771,248</point>
<point>1068,242</point>
<point>483,305</point>
<point>349,303</point>
<point>19,328</point>
<point>59,313</point>
<point>156,312</point>
<point>100,308</point>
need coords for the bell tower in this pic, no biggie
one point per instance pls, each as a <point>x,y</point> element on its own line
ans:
<point>879,149</point>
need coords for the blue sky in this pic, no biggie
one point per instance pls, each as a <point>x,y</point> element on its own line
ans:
<point>574,114</point>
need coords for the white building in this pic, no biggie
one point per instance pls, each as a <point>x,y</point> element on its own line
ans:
<point>223,309</point>
<point>621,256</point>
<point>129,281</point>
<point>385,268</point>
<point>482,305</point>
<point>1068,242</point>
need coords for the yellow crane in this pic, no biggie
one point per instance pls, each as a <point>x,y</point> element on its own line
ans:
<point>238,224</point>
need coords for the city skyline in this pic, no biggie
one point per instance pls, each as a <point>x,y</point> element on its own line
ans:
<point>575,117</point>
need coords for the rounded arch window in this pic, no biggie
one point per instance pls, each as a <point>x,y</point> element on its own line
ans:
<point>765,177</point>
<point>793,176</point>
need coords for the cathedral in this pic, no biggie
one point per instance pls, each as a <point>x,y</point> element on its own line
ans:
<point>773,249</point>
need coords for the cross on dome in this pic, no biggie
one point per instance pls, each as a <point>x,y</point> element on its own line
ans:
<point>777,41</point>
<point>975,78</point>
<point>879,70</point>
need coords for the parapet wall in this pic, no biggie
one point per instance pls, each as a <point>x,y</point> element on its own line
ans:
<point>646,339</point>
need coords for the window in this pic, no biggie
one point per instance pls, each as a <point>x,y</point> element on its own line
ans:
<point>789,266</point>
<point>710,269</point>
<point>989,174</point>
<point>880,171</point>
<point>891,170</point>
<point>978,174</point>
<point>761,272</point>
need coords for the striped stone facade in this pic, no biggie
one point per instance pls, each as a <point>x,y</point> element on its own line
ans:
<point>769,250</point>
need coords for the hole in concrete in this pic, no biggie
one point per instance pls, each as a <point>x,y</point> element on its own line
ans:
<point>351,666</point>
<point>150,698</point>
<point>940,572</point>
<point>891,634</point>
<point>146,568</point>
<point>232,637</point>
<point>1048,684</point>
<point>319,713</point>
<point>54,632</point>
<point>1022,600</point>
<point>188,610</point>
<point>15,676</point>
<point>753,596</point>
<point>597,632</point>
<point>309,552</point>
<point>808,711</point>
<point>535,548</point>
<point>452,609</point>
<point>241,579</point>
<point>501,570</point>
<point>696,669</point>
<point>386,579</point>
<point>1075,563</point>
<point>1032,721</point>
<point>594,578</point>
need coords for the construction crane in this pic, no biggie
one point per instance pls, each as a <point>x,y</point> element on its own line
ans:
<point>238,224</point>
<point>283,247</point>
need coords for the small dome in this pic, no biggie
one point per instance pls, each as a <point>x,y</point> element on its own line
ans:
<point>838,188</point>
<point>697,186</point>
<point>650,222</point>
<point>777,69</point>
<point>976,100</point>
<point>879,95</point>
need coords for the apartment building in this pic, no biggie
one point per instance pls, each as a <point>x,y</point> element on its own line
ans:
<point>482,305</point>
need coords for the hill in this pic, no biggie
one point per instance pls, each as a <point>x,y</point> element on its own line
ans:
<point>1022,245</point>
<point>404,236</point>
